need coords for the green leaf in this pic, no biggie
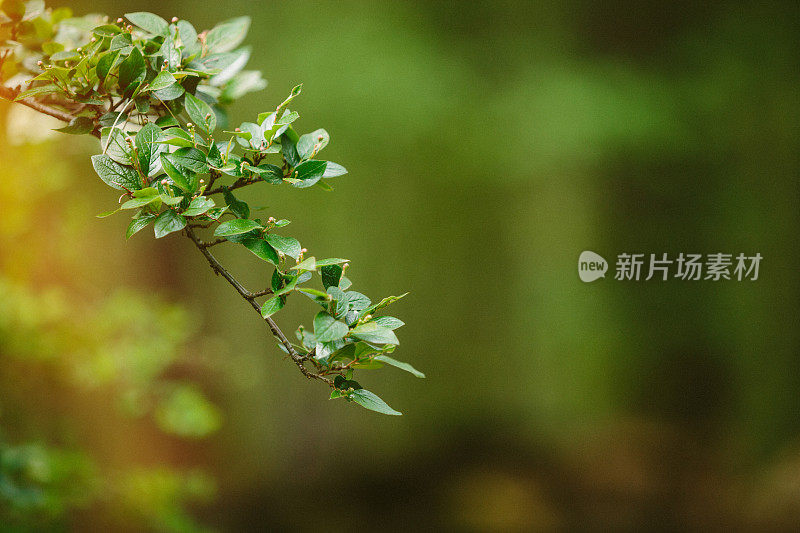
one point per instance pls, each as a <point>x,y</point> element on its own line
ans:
<point>106,63</point>
<point>272,306</point>
<point>139,202</point>
<point>172,92</point>
<point>238,207</point>
<point>372,332</point>
<point>371,401</point>
<point>149,22</point>
<point>198,206</point>
<point>138,223</point>
<point>308,265</point>
<point>383,303</point>
<point>286,245</point>
<point>121,42</point>
<point>116,175</point>
<point>42,89</point>
<point>269,172</point>
<point>168,222</point>
<point>312,143</point>
<point>183,179</point>
<point>399,364</point>
<point>289,148</point>
<point>162,80</point>
<point>170,200</point>
<point>236,227</point>
<point>262,250</point>
<point>200,113</point>
<point>227,35</point>
<point>117,148</point>
<point>308,173</point>
<point>132,70</point>
<point>190,158</point>
<point>148,149</point>
<point>327,328</point>
<point>105,214</point>
<point>389,322</point>
<point>78,126</point>
<point>333,170</point>
<point>331,275</point>
<point>331,261</point>
<point>177,137</point>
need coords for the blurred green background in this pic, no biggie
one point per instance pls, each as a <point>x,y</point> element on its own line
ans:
<point>488,144</point>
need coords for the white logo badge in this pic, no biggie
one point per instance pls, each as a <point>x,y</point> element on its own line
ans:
<point>591,266</point>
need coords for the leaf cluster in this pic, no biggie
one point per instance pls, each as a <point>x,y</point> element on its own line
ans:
<point>154,92</point>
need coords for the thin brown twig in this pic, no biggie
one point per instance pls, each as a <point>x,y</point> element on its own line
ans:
<point>251,297</point>
<point>10,94</point>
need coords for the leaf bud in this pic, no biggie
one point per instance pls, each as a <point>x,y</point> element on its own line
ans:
<point>174,20</point>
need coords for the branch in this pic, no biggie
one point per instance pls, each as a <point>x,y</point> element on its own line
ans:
<point>9,94</point>
<point>238,184</point>
<point>250,297</point>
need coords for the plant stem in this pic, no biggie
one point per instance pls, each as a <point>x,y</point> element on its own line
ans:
<point>250,297</point>
<point>9,94</point>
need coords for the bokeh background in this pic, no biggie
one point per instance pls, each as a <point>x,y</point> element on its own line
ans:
<point>488,144</point>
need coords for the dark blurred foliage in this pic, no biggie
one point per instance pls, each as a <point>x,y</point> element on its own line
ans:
<point>488,144</point>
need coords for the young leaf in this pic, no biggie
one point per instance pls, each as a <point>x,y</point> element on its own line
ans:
<point>372,332</point>
<point>227,35</point>
<point>370,400</point>
<point>162,80</point>
<point>308,173</point>
<point>236,227</point>
<point>327,328</point>
<point>116,146</point>
<point>198,206</point>
<point>200,113</point>
<point>132,70</point>
<point>149,150</point>
<point>149,22</point>
<point>333,170</point>
<point>383,303</point>
<point>389,322</point>
<point>399,364</point>
<point>238,207</point>
<point>308,265</point>
<point>312,143</point>
<point>262,250</point>
<point>172,92</point>
<point>190,158</point>
<point>138,223</point>
<point>331,275</point>
<point>183,179</point>
<point>116,175</point>
<point>168,222</point>
<point>286,245</point>
<point>272,306</point>
<point>78,126</point>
